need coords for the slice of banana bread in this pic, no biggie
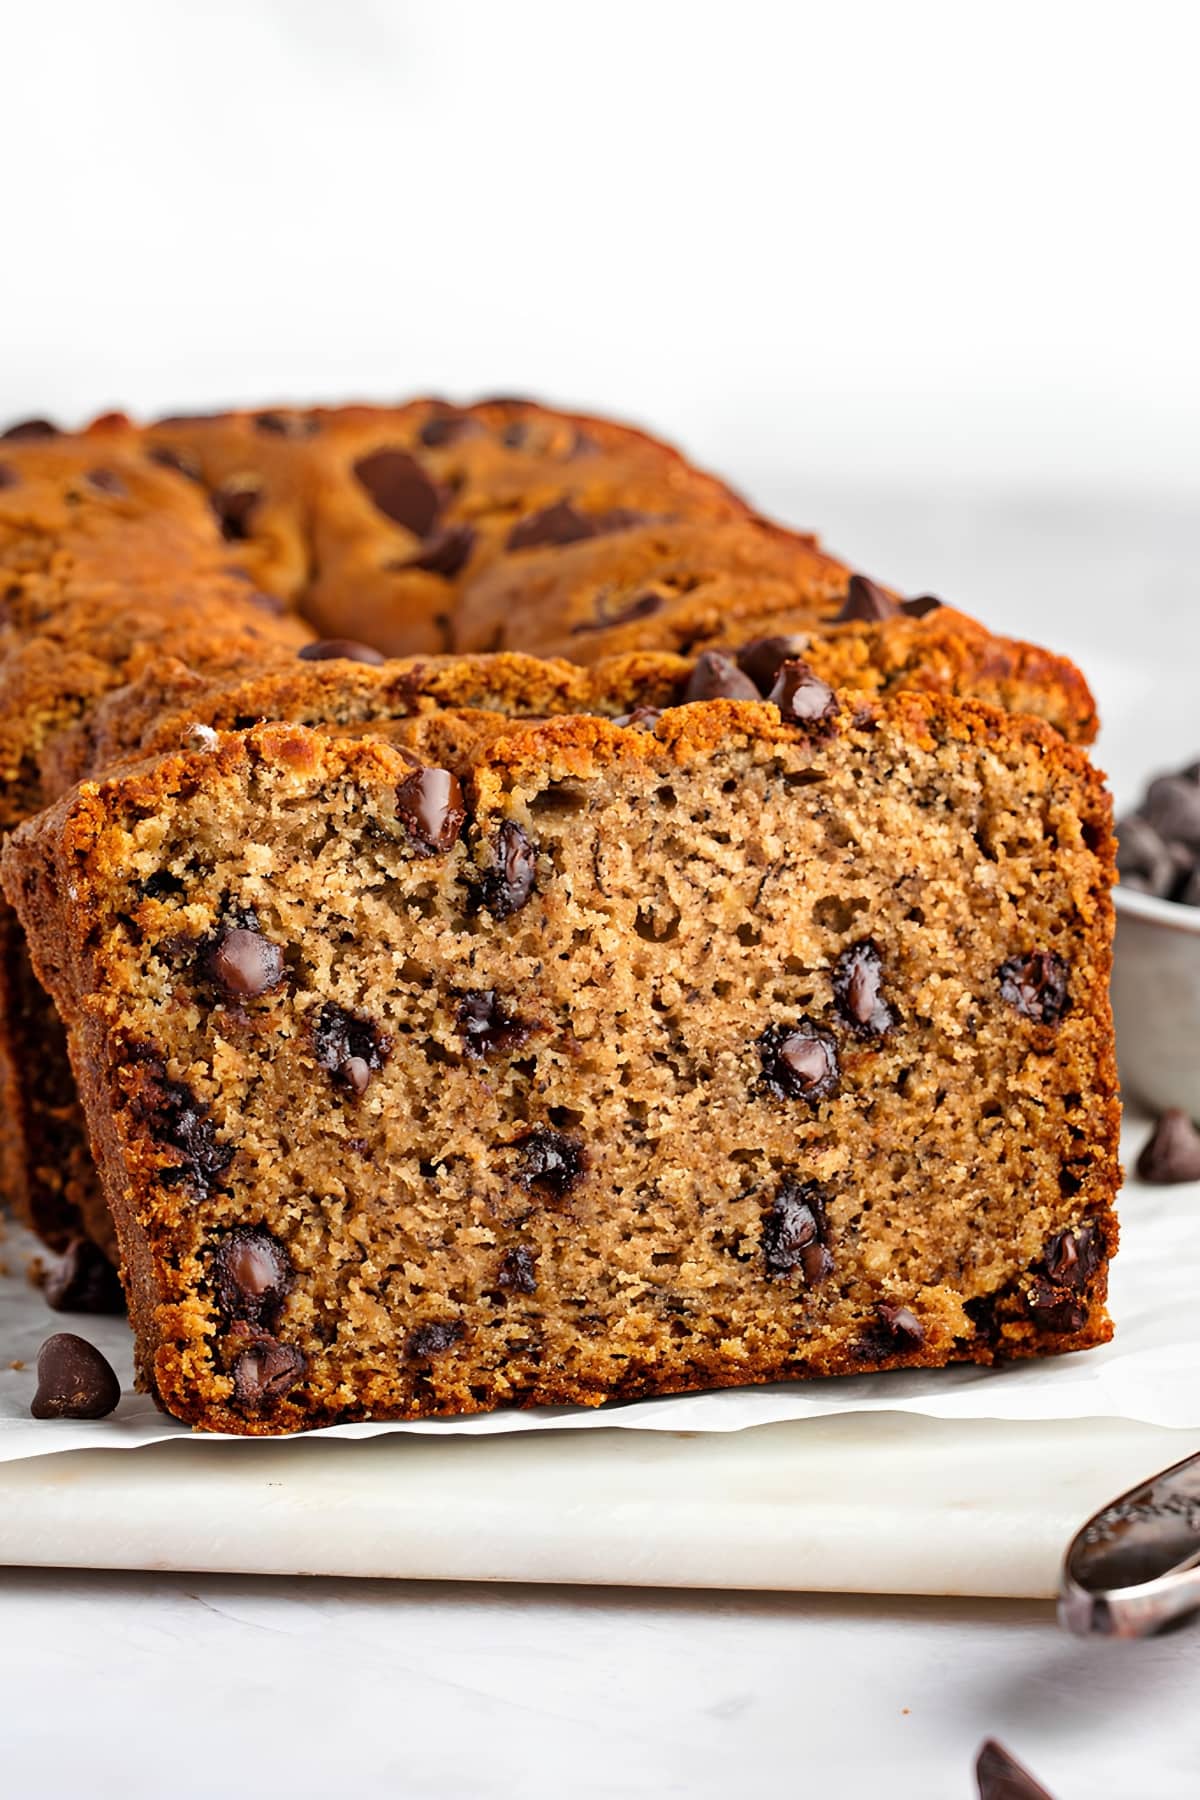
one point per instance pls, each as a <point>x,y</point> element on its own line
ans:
<point>741,1041</point>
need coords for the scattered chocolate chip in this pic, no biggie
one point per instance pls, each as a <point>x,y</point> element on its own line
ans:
<point>1035,984</point>
<point>795,1232</point>
<point>1072,1257</point>
<point>1054,1308</point>
<point>897,1328</point>
<point>487,1026</point>
<point>84,1281</point>
<point>802,697</point>
<point>446,553</point>
<point>762,658</point>
<point>799,1062</point>
<point>1172,806</point>
<point>717,677</point>
<point>265,1372</point>
<point>348,1047</point>
<point>866,601</point>
<point>607,613</point>
<point>28,431</point>
<point>1172,1151</point>
<point>401,489</point>
<point>106,481</point>
<point>557,524</point>
<point>551,1161</point>
<point>508,885</point>
<point>178,1121</point>
<point>235,505</point>
<point>251,1274</point>
<point>181,461</point>
<point>517,1271</point>
<point>287,424</point>
<point>74,1380</point>
<point>857,990</point>
<point>429,805</point>
<point>642,718</point>
<point>340,650</point>
<point>241,962</point>
<point>433,1339</point>
<point>8,476</point>
<point>446,428</point>
<point>1144,860</point>
<point>1002,1777</point>
<point>921,606</point>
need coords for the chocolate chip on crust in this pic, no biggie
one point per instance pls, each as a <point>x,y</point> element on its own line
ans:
<point>400,488</point>
<point>801,696</point>
<point>866,601</point>
<point>717,677</point>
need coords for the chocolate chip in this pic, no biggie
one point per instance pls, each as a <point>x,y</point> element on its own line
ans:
<point>181,461</point>
<point>1172,806</point>
<point>557,524</point>
<point>348,1047</point>
<point>179,1121</point>
<point>433,1339</point>
<point>1145,862</point>
<point>857,990</point>
<point>897,1329</point>
<point>340,650</point>
<point>799,1062</point>
<point>8,476</point>
<point>795,1232</point>
<point>106,481</point>
<point>551,1161</point>
<point>1002,1777</point>
<point>1072,1257</point>
<point>717,677</point>
<point>401,489</point>
<point>235,505</point>
<point>921,606</point>
<point>642,718</point>
<point>606,612</point>
<point>487,1026</point>
<point>28,431</point>
<point>446,428</point>
<point>74,1380</point>
<point>251,1274</point>
<point>802,697</point>
<point>1054,1308</point>
<point>1172,1151</point>
<point>287,424</point>
<point>84,1281</point>
<point>1035,984</point>
<point>509,884</point>
<point>241,962</point>
<point>265,1372</point>
<point>867,601</point>
<point>429,805</point>
<point>762,658</point>
<point>517,1271</point>
<point>446,553</point>
<point>267,603</point>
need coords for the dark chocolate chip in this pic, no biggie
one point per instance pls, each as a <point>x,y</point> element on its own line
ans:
<point>557,524</point>
<point>642,718</point>
<point>866,601</point>
<point>607,612</point>
<point>1172,1151</point>
<point>446,428</point>
<point>429,805</point>
<point>401,489</point>
<point>84,1281</point>
<point>178,1121</point>
<point>508,885</point>
<point>799,1062</point>
<point>1072,1257</point>
<point>433,1339</point>
<point>762,658</point>
<point>235,505</point>
<point>717,677</point>
<point>1172,806</point>
<point>287,424</point>
<point>8,476</point>
<point>897,1328</point>
<point>517,1271</point>
<point>551,1162</point>
<point>921,606</point>
<point>251,1274</point>
<point>802,697</point>
<point>265,1372</point>
<point>241,962</point>
<point>857,990</point>
<point>340,650</point>
<point>181,461</point>
<point>487,1026</point>
<point>162,885</point>
<point>267,603</point>
<point>1035,984</point>
<point>348,1047</point>
<point>74,1380</point>
<point>1144,860</point>
<point>446,553</point>
<point>28,431</point>
<point>795,1232</point>
<point>1055,1308</point>
<point>107,481</point>
<point>1002,1777</point>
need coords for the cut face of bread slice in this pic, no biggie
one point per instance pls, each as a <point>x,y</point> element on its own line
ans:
<point>722,1048</point>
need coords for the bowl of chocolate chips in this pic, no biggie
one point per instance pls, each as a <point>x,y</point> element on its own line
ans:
<point>1156,968</point>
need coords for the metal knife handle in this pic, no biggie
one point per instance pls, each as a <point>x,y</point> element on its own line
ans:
<point>1134,1569</point>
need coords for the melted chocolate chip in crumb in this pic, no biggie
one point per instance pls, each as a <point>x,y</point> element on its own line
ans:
<point>84,1281</point>
<point>177,1120</point>
<point>348,1047</point>
<point>509,884</point>
<point>866,601</point>
<point>717,677</point>
<point>400,488</point>
<point>241,963</point>
<point>517,1271</point>
<point>1035,984</point>
<point>1001,1777</point>
<point>858,990</point>
<point>794,1233</point>
<point>1072,1257</point>
<point>433,1339</point>
<point>265,1372</point>
<point>801,696</point>
<point>897,1329</point>
<point>551,1162</point>
<point>340,649</point>
<point>251,1274</point>
<point>74,1381</point>
<point>429,805</point>
<point>799,1062</point>
<point>1172,1151</point>
<point>1055,1308</point>
<point>486,1024</point>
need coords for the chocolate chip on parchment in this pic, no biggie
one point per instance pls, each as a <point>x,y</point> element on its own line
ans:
<point>858,990</point>
<point>343,649</point>
<point>795,1230</point>
<point>401,489</point>
<point>1035,984</point>
<point>74,1381</point>
<point>799,1062</point>
<point>1172,1151</point>
<point>251,1273</point>
<point>762,658</point>
<point>717,677</point>
<point>508,885</point>
<point>265,1372</point>
<point>801,696</point>
<point>1002,1777</point>
<point>866,601</point>
<point>430,806</point>
<point>84,1281</point>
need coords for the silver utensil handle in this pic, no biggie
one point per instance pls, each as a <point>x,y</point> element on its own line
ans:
<point>1134,1569</point>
